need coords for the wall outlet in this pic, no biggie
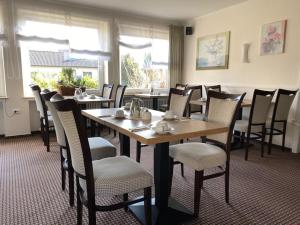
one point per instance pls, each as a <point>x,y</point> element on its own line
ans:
<point>16,111</point>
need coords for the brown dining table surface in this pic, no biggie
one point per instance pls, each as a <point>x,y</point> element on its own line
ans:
<point>182,128</point>
<point>88,99</point>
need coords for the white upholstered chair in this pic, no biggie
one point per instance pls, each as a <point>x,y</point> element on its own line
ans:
<point>46,120</point>
<point>254,127</point>
<point>221,108</point>
<point>177,86</point>
<point>106,177</point>
<point>107,91</point>
<point>100,148</point>
<point>277,125</point>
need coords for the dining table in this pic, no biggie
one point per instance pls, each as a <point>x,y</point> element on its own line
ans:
<point>153,96</point>
<point>165,209</point>
<point>90,99</point>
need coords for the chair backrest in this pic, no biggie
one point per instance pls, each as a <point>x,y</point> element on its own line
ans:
<point>197,94</point>
<point>283,104</point>
<point>59,130</point>
<point>181,86</point>
<point>119,95</point>
<point>178,101</point>
<point>70,116</point>
<point>261,103</point>
<point>223,108</point>
<point>40,105</point>
<point>107,91</point>
<point>216,88</point>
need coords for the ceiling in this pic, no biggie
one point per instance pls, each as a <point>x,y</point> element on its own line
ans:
<point>164,9</point>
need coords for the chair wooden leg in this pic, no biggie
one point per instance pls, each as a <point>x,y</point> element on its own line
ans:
<point>171,168</point>
<point>125,199</point>
<point>63,172</point>
<point>247,146</point>
<point>242,139</point>
<point>47,138</point>
<point>71,185</point>
<point>182,169</point>
<point>197,191</point>
<point>42,130</point>
<point>227,182</point>
<point>79,203</point>
<point>270,141</point>
<point>92,215</point>
<point>147,205</point>
<point>138,151</point>
<point>283,136</point>
<point>263,135</point>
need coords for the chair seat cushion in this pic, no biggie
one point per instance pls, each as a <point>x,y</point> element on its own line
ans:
<point>198,156</point>
<point>100,148</point>
<point>197,116</point>
<point>242,126</point>
<point>118,175</point>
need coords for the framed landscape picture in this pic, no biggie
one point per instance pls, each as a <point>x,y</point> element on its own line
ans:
<point>213,51</point>
<point>273,38</point>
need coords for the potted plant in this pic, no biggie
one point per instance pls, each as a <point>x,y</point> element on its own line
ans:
<point>68,82</point>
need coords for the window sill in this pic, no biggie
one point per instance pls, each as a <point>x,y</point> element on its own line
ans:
<point>132,91</point>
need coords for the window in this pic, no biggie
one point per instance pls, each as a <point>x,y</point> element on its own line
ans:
<point>144,54</point>
<point>52,44</point>
<point>2,40</point>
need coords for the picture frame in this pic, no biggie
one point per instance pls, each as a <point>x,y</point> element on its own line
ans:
<point>213,51</point>
<point>273,37</point>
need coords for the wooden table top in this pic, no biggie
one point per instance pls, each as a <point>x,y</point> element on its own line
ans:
<point>148,95</point>
<point>183,128</point>
<point>86,100</point>
<point>202,102</point>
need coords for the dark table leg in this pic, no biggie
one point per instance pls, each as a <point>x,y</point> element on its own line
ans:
<point>155,103</point>
<point>124,145</point>
<point>164,210</point>
<point>93,128</point>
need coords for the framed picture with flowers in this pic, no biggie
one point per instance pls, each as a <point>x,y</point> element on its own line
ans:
<point>273,38</point>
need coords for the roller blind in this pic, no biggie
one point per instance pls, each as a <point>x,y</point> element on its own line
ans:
<point>82,35</point>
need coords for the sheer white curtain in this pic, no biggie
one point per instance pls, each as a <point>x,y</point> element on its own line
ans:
<point>83,34</point>
<point>3,40</point>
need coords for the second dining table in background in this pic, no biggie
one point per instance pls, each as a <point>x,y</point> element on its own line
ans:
<point>154,98</point>
<point>166,210</point>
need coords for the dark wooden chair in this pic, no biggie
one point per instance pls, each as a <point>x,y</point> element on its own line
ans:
<point>177,102</point>
<point>119,98</point>
<point>164,107</point>
<point>197,94</point>
<point>94,178</point>
<point>215,153</point>
<point>46,121</point>
<point>254,128</point>
<point>107,91</point>
<point>278,123</point>
<point>100,148</point>
<point>216,88</point>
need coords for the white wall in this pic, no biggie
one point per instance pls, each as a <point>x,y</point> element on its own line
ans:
<point>268,72</point>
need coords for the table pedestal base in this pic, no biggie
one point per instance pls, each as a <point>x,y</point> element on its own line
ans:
<point>175,214</point>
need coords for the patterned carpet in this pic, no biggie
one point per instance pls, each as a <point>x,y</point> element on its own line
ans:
<point>263,191</point>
